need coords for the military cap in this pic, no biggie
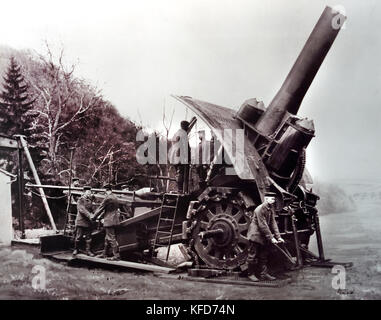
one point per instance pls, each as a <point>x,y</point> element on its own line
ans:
<point>86,188</point>
<point>270,194</point>
<point>184,124</point>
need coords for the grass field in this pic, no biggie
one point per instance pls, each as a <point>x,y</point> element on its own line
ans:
<point>348,236</point>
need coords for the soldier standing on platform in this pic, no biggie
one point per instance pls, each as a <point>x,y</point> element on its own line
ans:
<point>180,156</point>
<point>83,223</point>
<point>108,209</point>
<point>263,231</point>
<point>202,154</point>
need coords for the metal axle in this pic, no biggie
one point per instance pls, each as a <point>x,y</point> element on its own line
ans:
<point>211,233</point>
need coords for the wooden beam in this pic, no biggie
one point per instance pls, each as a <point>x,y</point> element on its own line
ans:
<point>37,179</point>
<point>8,143</point>
<point>125,264</point>
<point>78,189</point>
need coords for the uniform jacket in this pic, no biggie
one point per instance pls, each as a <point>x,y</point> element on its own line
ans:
<point>84,212</point>
<point>263,226</point>
<point>179,153</point>
<point>109,209</point>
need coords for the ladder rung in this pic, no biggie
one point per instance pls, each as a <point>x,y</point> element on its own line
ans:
<point>171,194</point>
<point>166,226</point>
<point>166,235</point>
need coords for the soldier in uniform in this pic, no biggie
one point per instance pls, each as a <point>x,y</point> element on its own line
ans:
<point>176,158</point>
<point>202,162</point>
<point>108,209</point>
<point>263,232</point>
<point>83,223</point>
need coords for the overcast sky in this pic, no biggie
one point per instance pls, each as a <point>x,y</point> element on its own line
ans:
<point>140,52</point>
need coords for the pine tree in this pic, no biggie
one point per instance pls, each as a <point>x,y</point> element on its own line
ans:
<point>16,107</point>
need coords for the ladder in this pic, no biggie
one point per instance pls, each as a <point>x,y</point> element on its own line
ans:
<point>69,228</point>
<point>168,212</point>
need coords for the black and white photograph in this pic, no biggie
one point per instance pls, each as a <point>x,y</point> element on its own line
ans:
<point>208,152</point>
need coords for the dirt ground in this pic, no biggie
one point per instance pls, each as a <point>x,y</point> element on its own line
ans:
<point>350,236</point>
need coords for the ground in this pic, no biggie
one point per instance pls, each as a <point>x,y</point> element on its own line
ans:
<point>348,236</point>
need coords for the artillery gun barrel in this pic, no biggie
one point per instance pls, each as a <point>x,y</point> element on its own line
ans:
<point>299,79</point>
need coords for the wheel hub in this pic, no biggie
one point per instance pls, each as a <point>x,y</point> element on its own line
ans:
<point>230,229</point>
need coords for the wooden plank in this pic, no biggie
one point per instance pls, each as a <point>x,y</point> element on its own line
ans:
<point>126,264</point>
<point>37,179</point>
<point>29,242</point>
<point>8,143</point>
<point>78,189</point>
<point>225,280</point>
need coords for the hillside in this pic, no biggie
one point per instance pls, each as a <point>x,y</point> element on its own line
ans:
<point>69,115</point>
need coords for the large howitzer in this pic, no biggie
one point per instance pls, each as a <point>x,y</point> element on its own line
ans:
<point>213,222</point>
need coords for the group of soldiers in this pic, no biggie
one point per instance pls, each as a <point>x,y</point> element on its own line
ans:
<point>263,231</point>
<point>108,210</point>
<point>204,156</point>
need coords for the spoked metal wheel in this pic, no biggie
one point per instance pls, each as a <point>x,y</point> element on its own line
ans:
<point>219,229</point>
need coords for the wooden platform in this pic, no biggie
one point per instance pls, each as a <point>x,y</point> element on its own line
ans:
<point>125,264</point>
<point>29,242</point>
<point>67,256</point>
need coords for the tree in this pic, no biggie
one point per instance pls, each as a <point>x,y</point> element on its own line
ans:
<point>106,151</point>
<point>16,107</point>
<point>63,105</point>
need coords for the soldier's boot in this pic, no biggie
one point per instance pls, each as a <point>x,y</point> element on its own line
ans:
<point>250,272</point>
<point>103,255</point>
<point>115,251</point>
<point>88,248</point>
<point>263,275</point>
<point>76,243</point>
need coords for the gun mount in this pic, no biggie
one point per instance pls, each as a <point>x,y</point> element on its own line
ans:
<point>213,222</point>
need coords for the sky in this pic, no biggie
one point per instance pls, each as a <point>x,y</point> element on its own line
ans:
<point>140,52</point>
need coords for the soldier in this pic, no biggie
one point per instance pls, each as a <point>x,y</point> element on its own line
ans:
<point>109,209</point>
<point>177,158</point>
<point>83,223</point>
<point>202,154</point>
<point>263,232</point>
